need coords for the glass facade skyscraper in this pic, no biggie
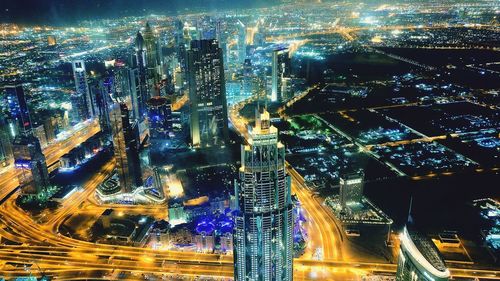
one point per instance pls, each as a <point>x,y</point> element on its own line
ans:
<point>29,160</point>
<point>263,235</point>
<point>81,101</point>
<point>207,94</point>
<point>280,63</point>
<point>126,147</point>
<point>160,118</point>
<point>152,59</point>
<point>18,108</point>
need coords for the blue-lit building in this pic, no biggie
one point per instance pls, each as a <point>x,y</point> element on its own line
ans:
<point>18,108</point>
<point>263,234</point>
<point>160,118</point>
<point>29,160</point>
<point>30,163</point>
<point>138,73</point>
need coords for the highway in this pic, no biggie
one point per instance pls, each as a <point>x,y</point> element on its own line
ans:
<point>8,175</point>
<point>347,32</point>
<point>43,248</point>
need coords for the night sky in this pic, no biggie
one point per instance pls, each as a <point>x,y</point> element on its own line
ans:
<point>61,12</point>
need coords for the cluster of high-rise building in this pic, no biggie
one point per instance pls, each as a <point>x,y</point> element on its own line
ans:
<point>29,159</point>
<point>134,103</point>
<point>135,98</point>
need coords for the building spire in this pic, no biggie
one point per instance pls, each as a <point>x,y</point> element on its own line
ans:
<point>410,218</point>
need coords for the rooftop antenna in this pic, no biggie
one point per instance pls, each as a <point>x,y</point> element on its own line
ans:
<point>410,218</point>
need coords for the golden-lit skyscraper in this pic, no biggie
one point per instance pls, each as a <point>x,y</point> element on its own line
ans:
<point>263,234</point>
<point>51,40</point>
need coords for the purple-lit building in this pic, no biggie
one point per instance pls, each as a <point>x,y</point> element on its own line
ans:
<point>160,118</point>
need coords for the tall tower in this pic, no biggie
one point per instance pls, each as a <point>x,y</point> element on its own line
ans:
<point>29,160</point>
<point>139,66</point>
<point>279,65</point>
<point>82,89</point>
<point>126,147</point>
<point>207,94</point>
<point>242,43</point>
<point>30,163</point>
<point>102,102</point>
<point>18,108</point>
<point>263,235</point>
<point>152,57</point>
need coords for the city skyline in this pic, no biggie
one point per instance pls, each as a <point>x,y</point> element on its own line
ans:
<point>264,141</point>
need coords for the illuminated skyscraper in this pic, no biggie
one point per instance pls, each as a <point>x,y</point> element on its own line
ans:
<point>152,58</point>
<point>242,43</point>
<point>279,68</point>
<point>5,141</point>
<point>30,163</point>
<point>160,117</point>
<point>136,94</point>
<point>102,100</point>
<point>263,234</point>
<point>51,40</point>
<point>419,259</point>
<point>18,108</point>
<point>126,147</point>
<point>351,188</point>
<point>207,94</point>
<point>82,91</point>
<point>29,160</point>
<point>138,64</point>
<point>179,33</point>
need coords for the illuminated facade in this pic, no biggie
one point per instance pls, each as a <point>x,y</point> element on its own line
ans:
<point>351,188</point>
<point>126,147</point>
<point>160,117</point>
<point>18,108</point>
<point>29,160</point>
<point>242,44</point>
<point>263,245</point>
<point>51,40</point>
<point>207,94</point>
<point>279,68</point>
<point>419,259</point>
<point>139,71</point>
<point>30,163</point>
<point>81,99</point>
<point>152,58</point>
